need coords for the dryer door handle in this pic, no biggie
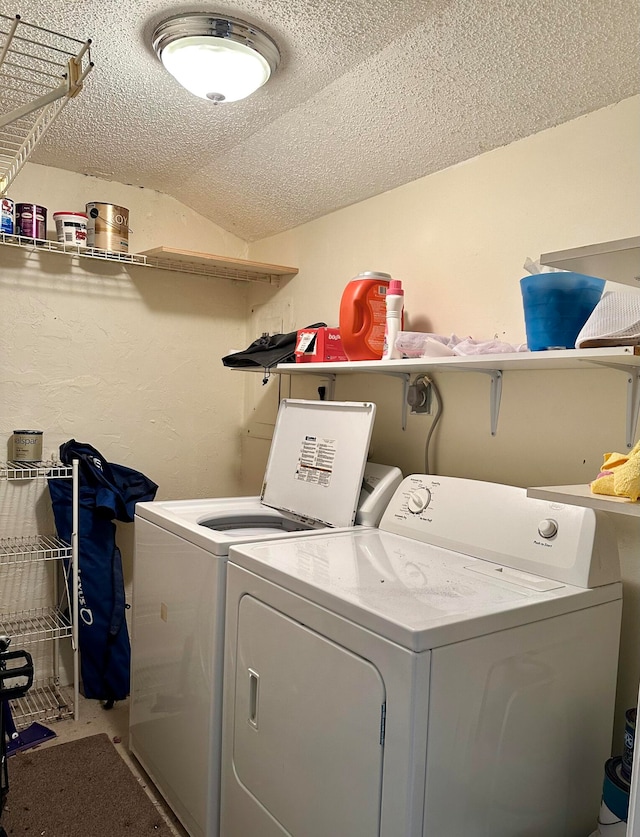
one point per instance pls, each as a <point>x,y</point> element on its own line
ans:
<point>254,697</point>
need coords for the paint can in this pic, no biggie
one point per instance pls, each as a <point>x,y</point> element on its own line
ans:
<point>27,445</point>
<point>7,216</point>
<point>31,220</point>
<point>614,808</point>
<point>629,738</point>
<point>108,227</point>
<point>609,825</point>
<point>71,228</point>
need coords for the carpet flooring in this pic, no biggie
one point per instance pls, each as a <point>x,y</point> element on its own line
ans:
<point>81,788</point>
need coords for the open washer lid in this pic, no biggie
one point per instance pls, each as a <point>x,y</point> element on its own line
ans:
<point>317,459</point>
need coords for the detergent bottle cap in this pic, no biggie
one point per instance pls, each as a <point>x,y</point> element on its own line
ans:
<point>372,274</point>
<point>395,287</point>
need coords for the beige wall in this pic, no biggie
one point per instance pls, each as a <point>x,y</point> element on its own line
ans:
<point>129,359</point>
<point>125,358</point>
<point>458,240</point>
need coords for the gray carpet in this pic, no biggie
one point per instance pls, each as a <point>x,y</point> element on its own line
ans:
<point>81,788</point>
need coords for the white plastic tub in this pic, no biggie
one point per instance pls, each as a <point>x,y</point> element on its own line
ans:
<point>71,228</point>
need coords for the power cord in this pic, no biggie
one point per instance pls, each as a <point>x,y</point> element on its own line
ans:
<point>430,382</point>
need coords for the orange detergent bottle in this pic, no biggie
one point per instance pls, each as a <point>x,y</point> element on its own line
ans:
<point>363,314</point>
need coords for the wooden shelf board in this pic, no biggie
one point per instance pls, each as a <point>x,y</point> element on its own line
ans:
<point>191,257</point>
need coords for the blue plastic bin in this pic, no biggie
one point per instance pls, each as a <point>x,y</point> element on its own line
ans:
<point>556,306</point>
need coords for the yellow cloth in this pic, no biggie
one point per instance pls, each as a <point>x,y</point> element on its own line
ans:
<point>624,479</point>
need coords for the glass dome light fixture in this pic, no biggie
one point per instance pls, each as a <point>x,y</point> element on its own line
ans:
<point>217,58</point>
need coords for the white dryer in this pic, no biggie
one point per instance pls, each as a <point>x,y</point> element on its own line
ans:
<point>313,483</point>
<point>449,674</point>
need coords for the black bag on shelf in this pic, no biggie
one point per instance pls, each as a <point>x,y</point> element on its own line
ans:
<point>267,351</point>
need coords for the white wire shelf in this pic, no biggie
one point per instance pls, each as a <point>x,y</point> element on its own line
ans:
<point>46,700</point>
<point>21,550</point>
<point>41,628</point>
<point>44,245</point>
<point>13,470</point>
<point>40,70</point>
<point>163,258</point>
<point>37,625</point>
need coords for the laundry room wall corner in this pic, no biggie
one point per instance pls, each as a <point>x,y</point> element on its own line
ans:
<point>457,239</point>
<point>125,358</point>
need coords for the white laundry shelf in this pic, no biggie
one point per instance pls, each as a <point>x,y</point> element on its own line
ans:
<point>623,358</point>
<point>616,261</point>
<point>504,362</point>
<point>581,495</point>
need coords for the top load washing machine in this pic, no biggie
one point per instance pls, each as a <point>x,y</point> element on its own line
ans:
<point>313,483</point>
<point>449,674</point>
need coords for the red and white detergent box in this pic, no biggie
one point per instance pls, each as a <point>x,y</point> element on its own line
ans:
<point>319,345</point>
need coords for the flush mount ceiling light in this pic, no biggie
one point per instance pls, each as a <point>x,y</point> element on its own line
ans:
<point>216,58</point>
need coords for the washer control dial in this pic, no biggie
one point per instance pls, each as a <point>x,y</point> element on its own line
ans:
<point>547,528</point>
<point>419,500</point>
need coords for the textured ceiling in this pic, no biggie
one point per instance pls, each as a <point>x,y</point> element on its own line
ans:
<point>370,94</point>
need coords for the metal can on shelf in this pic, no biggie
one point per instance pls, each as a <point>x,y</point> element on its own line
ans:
<point>629,739</point>
<point>107,227</point>
<point>27,445</point>
<point>7,216</point>
<point>31,220</point>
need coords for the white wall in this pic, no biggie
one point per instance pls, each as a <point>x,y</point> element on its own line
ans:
<point>458,240</point>
<point>129,360</point>
<point>125,359</point>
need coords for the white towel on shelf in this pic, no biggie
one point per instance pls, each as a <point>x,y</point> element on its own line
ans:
<point>615,321</point>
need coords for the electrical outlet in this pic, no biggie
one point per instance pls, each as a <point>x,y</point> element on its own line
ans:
<point>419,397</point>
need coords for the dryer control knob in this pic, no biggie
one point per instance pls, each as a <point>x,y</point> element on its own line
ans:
<point>419,500</point>
<point>547,528</point>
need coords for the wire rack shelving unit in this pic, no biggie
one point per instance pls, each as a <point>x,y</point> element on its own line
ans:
<point>40,71</point>
<point>48,699</point>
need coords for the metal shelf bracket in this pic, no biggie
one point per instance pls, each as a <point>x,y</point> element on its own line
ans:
<point>495,393</point>
<point>404,377</point>
<point>495,396</point>
<point>633,406</point>
<point>494,399</point>
<point>633,398</point>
